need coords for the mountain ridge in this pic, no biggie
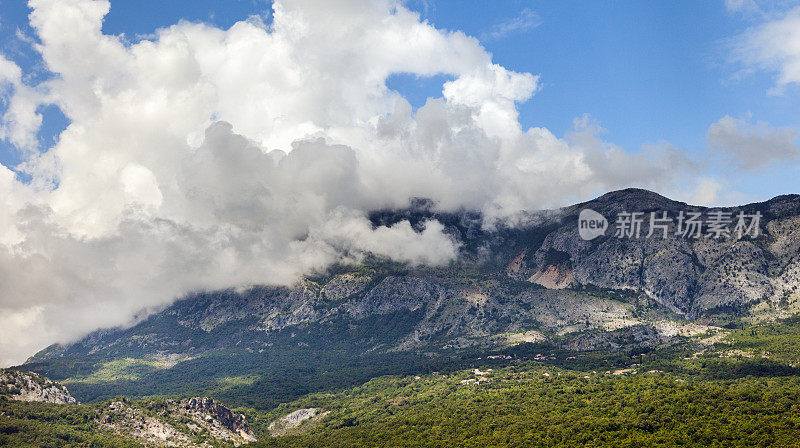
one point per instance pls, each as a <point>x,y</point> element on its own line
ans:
<point>537,282</point>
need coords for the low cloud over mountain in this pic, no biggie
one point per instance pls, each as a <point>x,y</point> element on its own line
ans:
<point>203,158</point>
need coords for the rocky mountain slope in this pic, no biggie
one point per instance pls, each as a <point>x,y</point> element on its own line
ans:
<point>28,386</point>
<point>176,423</point>
<point>535,281</point>
<point>696,277</point>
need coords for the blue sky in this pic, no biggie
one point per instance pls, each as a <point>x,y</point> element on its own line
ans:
<point>647,72</point>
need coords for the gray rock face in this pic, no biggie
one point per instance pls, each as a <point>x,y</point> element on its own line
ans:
<point>291,421</point>
<point>209,409</point>
<point>346,285</point>
<point>393,294</point>
<point>27,386</point>
<point>221,421</point>
<point>691,276</point>
<point>202,417</point>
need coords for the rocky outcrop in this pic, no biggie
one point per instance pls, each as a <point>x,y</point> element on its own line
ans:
<point>221,421</point>
<point>177,423</point>
<point>128,421</point>
<point>28,386</point>
<point>290,422</point>
<point>553,277</point>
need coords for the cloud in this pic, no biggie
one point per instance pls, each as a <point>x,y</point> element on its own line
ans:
<point>706,193</point>
<point>752,146</point>
<point>206,158</point>
<point>747,6</point>
<point>20,121</point>
<point>525,21</point>
<point>774,46</point>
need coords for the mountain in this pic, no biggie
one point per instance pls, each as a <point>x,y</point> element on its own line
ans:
<point>530,282</point>
<point>741,389</point>
<point>699,278</point>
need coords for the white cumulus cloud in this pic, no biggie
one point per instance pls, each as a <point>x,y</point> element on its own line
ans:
<point>773,45</point>
<point>752,146</point>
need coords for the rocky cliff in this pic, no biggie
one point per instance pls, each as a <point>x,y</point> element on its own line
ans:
<point>28,386</point>
<point>176,423</point>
